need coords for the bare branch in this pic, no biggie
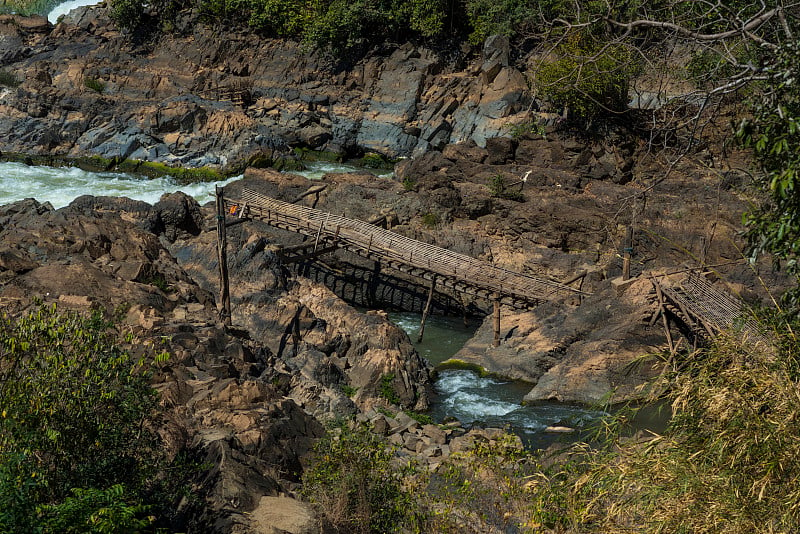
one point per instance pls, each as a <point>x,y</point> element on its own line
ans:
<point>752,24</point>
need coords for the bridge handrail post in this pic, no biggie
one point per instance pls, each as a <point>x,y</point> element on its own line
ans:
<point>222,257</point>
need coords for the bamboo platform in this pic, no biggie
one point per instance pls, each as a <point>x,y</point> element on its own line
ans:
<point>709,311</point>
<point>434,264</point>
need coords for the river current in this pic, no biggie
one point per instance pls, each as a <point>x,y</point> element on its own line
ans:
<point>462,394</point>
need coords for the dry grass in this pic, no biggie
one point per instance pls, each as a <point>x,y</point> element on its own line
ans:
<point>728,462</point>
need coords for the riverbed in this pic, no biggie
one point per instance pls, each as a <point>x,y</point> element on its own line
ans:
<point>462,394</point>
<point>480,400</point>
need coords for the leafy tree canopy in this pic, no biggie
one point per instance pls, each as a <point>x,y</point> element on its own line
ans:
<point>74,447</point>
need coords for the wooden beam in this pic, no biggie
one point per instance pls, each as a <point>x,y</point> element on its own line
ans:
<point>626,254</point>
<point>496,320</point>
<point>309,256</point>
<point>222,258</point>
<point>426,310</point>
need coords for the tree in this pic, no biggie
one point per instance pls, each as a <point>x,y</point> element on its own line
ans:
<point>773,133</point>
<point>73,408</point>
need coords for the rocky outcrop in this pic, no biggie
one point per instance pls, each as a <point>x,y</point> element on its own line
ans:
<point>248,402</point>
<point>567,220</point>
<point>200,98</point>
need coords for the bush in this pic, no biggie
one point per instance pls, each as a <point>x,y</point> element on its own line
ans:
<point>73,407</point>
<point>354,485</point>
<point>727,462</point>
<point>127,14</point>
<point>94,84</point>
<point>498,187</point>
<point>587,77</point>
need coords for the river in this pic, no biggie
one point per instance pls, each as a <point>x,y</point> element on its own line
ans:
<point>485,401</point>
<point>462,394</point>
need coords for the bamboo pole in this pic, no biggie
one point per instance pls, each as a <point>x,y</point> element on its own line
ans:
<point>222,258</point>
<point>426,310</point>
<point>626,254</point>
<point>496,319</point>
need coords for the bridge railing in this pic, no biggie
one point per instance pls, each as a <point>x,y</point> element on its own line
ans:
<point>369,239</point>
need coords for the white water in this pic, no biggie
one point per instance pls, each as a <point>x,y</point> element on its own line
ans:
<point>484,401</point>
<point>66,7</point>
<point>473,399</point>
<point>62,185</point>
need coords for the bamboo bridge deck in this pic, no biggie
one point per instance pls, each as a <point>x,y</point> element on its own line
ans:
<point>708,311</point>
<point>437,265</point>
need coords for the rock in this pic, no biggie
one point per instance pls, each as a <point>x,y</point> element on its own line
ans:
<point>284,515</point>
<point>436,434</point>
<point>559,430</point>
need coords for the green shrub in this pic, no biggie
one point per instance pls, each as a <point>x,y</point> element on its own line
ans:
<point>73,406</point>
<point>727,462</point>
<point>127,14</point>
<point>498,187</point>
<point>350,391</point>
<point>587,77</point>
<point>387,389</point>
<point>8,79</point>
<point>94,84</point>
<point>430,220</point>
<point>355,486</point>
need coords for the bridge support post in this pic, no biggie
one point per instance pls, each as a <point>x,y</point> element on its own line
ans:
<point>626,254</point>
<point>496,301</point>
<point>372,289</point>
<point>222,257</point>
<point>426,310</point>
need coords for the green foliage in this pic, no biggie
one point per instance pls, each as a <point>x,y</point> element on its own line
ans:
<point>498,187</point>
<point>340,26</point>
<point>527,129</point>
<point>375,161</point>
<point>8,79</point>
<point>409,183</point>
<point>127,14</point>
<point>587,77</point>
<point>95,511</point>
<point>727,462</point>
<point>493,17</point>
<point>94,84</point>
<point>348,390</point>
<point>421,418</point>
<point>430,220</point>
<point>387,389</point>
<point>773,134</point>
<point>355,486</point>
<point>73,406</point>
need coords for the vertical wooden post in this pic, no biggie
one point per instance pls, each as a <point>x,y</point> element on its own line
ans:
<point>372,289</point>
<point>426,310</point>
<point>222,257</point>
<point>496,319</point>
<point>626,254</point>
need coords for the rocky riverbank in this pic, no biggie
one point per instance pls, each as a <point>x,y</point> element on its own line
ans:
<point>198,97</point>
<point>251,400</point>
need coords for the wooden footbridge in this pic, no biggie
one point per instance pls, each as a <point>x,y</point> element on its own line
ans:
<point>691,298</point>
<point>433,264</point>
<point>704,309</point>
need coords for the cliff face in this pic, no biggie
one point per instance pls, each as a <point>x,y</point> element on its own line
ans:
<point>201,96</point>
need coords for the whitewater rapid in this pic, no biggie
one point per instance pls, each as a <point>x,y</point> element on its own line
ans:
<point>65,7</point>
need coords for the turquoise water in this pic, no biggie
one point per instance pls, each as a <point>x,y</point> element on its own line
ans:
<point>485,401</point>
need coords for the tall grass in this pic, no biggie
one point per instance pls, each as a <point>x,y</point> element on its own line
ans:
<point>728,462</point>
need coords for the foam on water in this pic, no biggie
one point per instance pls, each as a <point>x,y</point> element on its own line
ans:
<point>61,185</point>
<point>473,399</point>
<point>65,7</point>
